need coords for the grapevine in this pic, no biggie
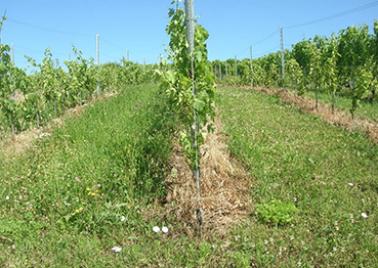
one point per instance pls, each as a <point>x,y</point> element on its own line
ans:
<point>195,109</point>
<point>345,64</point>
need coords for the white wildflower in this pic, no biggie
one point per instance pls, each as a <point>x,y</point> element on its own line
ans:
<point>364,215</point>
<point>156,229</point>
<point>164,229</point>
<point>123,218</point>
<point>7,197</point>
<point>44,135</point>
<point>350,184</point>
<point>116,249</point>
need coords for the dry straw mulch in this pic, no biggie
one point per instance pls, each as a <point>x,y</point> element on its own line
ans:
<point>225,188</point>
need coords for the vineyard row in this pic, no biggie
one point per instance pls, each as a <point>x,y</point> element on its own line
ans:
<point>344,64</point>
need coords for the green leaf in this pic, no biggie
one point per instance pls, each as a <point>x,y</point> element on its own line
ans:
<point>199,105</point>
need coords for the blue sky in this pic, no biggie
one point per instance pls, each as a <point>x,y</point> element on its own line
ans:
<point>139,25</point>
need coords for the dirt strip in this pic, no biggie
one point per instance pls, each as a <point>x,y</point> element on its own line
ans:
<point>339,117</point>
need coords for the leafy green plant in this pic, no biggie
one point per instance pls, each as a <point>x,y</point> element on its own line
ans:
<point>82,80</point>
<point>177,82</point>
<point>189,86</point>
<point>374,49</point>
<point>310,56</point>
<point>276,212</point>
<point>354,61</point>
<point>343,65</point>
<point>31,100</point>
<point>329,70</point>
<point>130,73</point>
<point>294,76</point>
<point>362,87</point>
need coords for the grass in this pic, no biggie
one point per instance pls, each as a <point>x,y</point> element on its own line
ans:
<point>298,158</point>
<point>61,203</point>
<point>365,110</point>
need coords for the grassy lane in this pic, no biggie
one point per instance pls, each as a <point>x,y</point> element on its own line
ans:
<point>85,189</point>
<point>66,203</point>
<point>366,110</point>
<point>330,174</point>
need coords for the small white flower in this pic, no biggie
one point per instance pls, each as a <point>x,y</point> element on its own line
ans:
<point>116,249</point>
<point>123,219</point>
<point>7,197</point>
<point>156,229</point>
<point>364,215</point>
<point>164,229</point>
<point>350,184</point>
<point>44,135</point>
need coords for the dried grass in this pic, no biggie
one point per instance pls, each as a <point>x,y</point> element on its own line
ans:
<point>225,188</point>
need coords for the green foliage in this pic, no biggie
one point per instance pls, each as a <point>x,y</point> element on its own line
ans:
<point>193,110</point>
<point>241,260</point>
<point>271,66</point>
<point>294,76</point>
<point>330,174</point>
<point>329,79</point>
<point>81,74</point>
<point>355,62</point>
<point>2,20</point>
<point>362,87</point>
<point>258,74</point>
<point>375,44</point>
<point>343,65</point>
<point>65,198</point>
<point>374,49</point>
<point>5,66</point>
<point>92,178</point>
<point>32,100</point>
<point>302,54</point>
<point>354,51</point>
<point>308,55</point>
<point>276,212</point>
